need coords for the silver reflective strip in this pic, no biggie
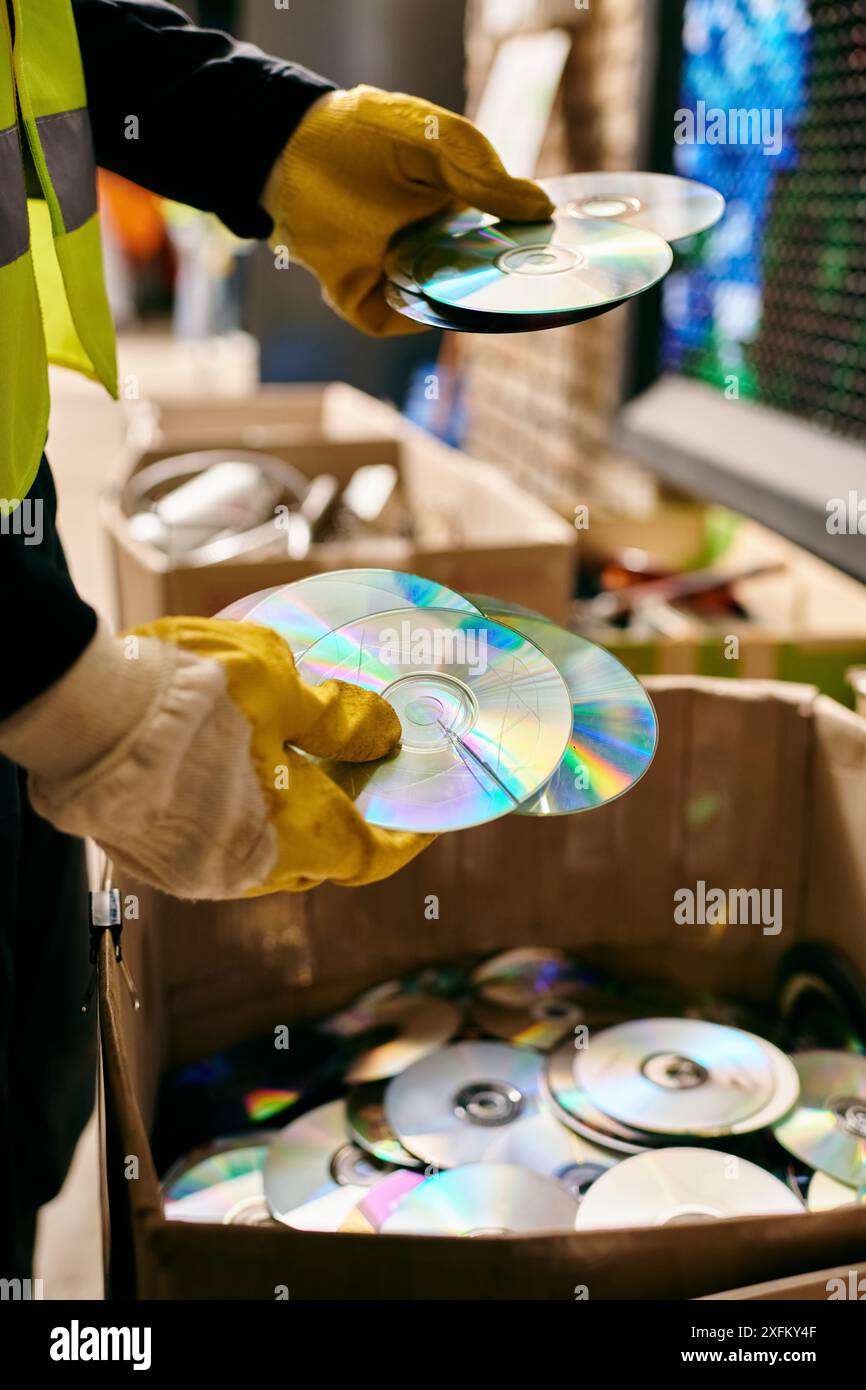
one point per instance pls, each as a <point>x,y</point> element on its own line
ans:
<point>68,148</point>
<point>14,228</point>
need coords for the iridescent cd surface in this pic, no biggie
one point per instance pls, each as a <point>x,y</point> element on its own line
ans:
<point>669,206</point>
<point>400,261</point>
<point>389,1033</point>
<point>683,1076</point>
<point>826,1193</point>
<point>614,732</point>
<point>314,1175</point>
<point>520,977</point>
<point>675,1186</point>
<point>563,266</point>
<point>209,1183</point>
<point>365,1113</point>
<point>304,612</point>
<point>485,716</point>
<point>479,1102</point>
<point>827,1129</point>
<point>485,1199</point>
<point>573,1107</point>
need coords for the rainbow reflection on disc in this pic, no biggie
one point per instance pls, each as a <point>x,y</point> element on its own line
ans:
<point>483,1199</point>
<point>827,1127</point>
<point>304,612</point>
<point>208,1184</point>
<point>614,733</point>
<point>485,716</point>
<point>566,265</point>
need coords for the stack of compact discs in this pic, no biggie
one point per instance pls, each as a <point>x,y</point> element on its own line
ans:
<point>501,711</point>
<point>606,242</point>
<point>527,1093</point>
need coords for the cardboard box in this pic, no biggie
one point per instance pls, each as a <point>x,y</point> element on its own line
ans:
<point>845,1282</point>
<point>473,530</point>
<point>808,624</point>
<point>754,784</point>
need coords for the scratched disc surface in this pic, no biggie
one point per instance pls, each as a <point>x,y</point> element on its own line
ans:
<point>486,717</point>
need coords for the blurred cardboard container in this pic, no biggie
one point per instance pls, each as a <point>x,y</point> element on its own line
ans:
<point>843,1283</point>
<point>472,529</point>
<point>754,783</point>
<point>807,622</point>
<point>857,680</point>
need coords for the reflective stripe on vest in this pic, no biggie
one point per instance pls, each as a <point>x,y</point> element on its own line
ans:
<point>51,250</point>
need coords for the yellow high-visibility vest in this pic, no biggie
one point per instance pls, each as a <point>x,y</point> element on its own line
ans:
<point>53,305</point>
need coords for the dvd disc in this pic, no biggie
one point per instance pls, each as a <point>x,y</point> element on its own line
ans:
<point>388,1033</point>
<point>485,716</point>
<point>209,1183</point>
<point>544,1023</point>
<point>413,305</point>
<point>479,1102</point>
<point>826,1193</point>
<point>484,1199</point>
<point>615,731</point>
<point>374,1208</point>
<point>683,1076</point>
<point>572,1106</point>
<point>250,1211</point>
<point>313,1174</point>
<point>671,207</point>
<point>564,266</point>
<point>365,1113</point>
<point>518,978</point>
<point>673,1186</point>
<point>827,1129</point>
<point>304,612</point>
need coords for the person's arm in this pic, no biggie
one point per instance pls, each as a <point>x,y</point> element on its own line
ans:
<point>189,113</point>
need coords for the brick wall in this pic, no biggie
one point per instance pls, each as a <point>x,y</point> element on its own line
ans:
<point>541,404</point>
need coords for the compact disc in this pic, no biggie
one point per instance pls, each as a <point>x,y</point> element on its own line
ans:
<point>572,1105</point>
<point>365,1113</point>
<point>413,305</point>
<point>822,999</point>
<point>517,978</point>
<point>683,1076</point>
<point>308,610</point>
<point>826,1193</point>
<point>400,261</point>
<point>827,1129</point>
<point>563,266</point>
<point>485,716</point>
<point>208,1184</point>
<point>249,1211</point>
<point>314,1175</point>
<point>483,1199</point>
<point>671,207</point>
<point>614,734</point>
<point>674,1186</point>
<point>546,1021</point>
<point>479,1102</point>
<point>370,1214</point>
<point>387,1034</point>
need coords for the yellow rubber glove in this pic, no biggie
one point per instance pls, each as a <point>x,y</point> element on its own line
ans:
<point>319,834</point>
<point>363,166</point>
<point>175,747</point>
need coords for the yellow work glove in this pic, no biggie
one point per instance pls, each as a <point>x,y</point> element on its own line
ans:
<point>363,166</point>
<point>175,747</point>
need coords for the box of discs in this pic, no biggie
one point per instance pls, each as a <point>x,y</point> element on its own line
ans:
<point>211,501</point>
<point>604,1039</point>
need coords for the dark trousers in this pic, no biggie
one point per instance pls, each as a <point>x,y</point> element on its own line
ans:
<point>47,1045</point>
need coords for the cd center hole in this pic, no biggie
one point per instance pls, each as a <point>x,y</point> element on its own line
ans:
<point>425,711</point>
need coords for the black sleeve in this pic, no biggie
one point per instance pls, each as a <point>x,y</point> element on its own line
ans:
<point>212,113</point>
<point>46,624</point>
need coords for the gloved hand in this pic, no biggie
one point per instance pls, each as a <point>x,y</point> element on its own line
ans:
<point>175,749</point>
<point>365,164</point>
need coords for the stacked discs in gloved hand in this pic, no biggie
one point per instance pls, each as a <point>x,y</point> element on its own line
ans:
<point>607,241</point>
<point>501,711</point>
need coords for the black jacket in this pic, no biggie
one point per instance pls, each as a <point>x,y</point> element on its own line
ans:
<point>213,115</point>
